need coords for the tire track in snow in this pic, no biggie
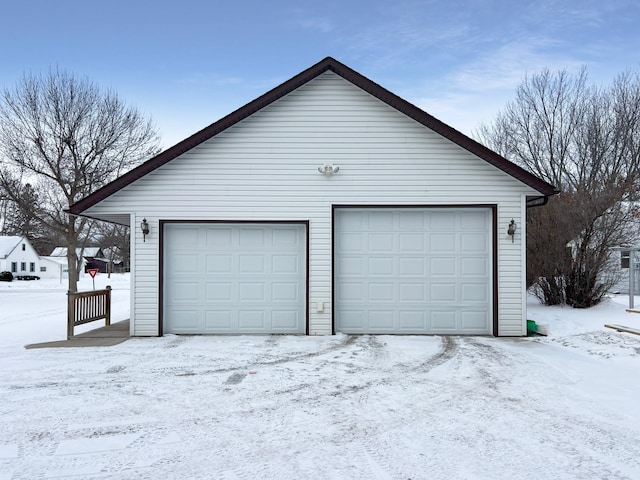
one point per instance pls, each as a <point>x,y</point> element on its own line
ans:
<point>448,350</point>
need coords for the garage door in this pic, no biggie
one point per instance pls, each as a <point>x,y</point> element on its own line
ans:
<point>413,271</point>
<point>234,278</point>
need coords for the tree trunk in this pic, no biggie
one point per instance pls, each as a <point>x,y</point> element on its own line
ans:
<point>72,259</point>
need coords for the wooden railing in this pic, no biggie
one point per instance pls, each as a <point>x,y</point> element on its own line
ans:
<point>85,307</point>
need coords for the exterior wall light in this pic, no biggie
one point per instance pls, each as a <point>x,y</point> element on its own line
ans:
<point>328,169</point>
<point>144,226</point>
<point>511,230</point>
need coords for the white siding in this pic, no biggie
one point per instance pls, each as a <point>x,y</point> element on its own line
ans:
<point>265,168</point>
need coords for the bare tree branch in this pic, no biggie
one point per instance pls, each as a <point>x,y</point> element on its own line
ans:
<point>67,138</point>
<point>586,141</point>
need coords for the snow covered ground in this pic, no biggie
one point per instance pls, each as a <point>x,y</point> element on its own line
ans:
<point>343,407</point>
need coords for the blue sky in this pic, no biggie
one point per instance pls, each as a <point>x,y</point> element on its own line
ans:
<point>187,63</point>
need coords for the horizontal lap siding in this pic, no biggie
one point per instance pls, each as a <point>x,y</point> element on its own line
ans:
<point>265,168</point>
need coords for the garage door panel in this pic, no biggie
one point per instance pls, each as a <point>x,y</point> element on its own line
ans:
<point>380,242</point>
<point>380,266</point>
<point>351,291</point>
<point>284,264</point>
<point>251,320</point>
<point>441,219</point>
<point>354,218</point>
<point>218,291</point>
<point>184,292</point>
<point>442,292</point>
<point>474,266</point>
<point>352,320</point>
<point>380,292</point>
<point>471,243</point>
<point>411,242</point>
<point>251,237</point>
<point>442,266</point>
<point>473,320</point>
<point>443,320</point>
<point>251,291</point>
<point>381,321</point>
<point>218,264</point>
<point>217,237</point>
<point>236,279</point>
<point>411,220</point>
<point>348,265</point>
<point>188,319</point>
<point>412,292</point>
<point>219,320</point>
<point>186,264</point>
<point>381,221</point>
<point>186,236</point>
<point>284,292</point>
<point>412,320</point>
<point>353,242</point>
<point>469,220</point>
<point>413,270</point>
<point>285,237</point>
<point>411,266</point>
<point>442,242</point>
<point>251,264</point>
<point>474,292</point>
<point>283,320</point>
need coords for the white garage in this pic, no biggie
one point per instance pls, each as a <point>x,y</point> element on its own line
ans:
<point>413,270</point>
<point>362,214</point>
<point>226,278</point>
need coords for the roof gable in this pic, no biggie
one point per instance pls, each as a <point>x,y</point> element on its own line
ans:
<point>287,87</point>
<point>8,245</point>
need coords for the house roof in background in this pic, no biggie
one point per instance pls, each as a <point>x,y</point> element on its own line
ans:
<point>328,64</point>
<point>8,244</point>
<point>87,252</point>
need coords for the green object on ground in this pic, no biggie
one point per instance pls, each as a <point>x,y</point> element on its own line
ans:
<point>531,327</point>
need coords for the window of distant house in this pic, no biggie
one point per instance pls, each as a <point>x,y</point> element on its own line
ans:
<point>23,266</point>
<point>14,267</point>
<point>624,258</point>
<point>43,269</point>
<point>24,247</point>
<point>32,267</point>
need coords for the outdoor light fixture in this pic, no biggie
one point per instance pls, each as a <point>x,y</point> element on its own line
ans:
<point>512,229</point>
<point>144,226</point>
<point>328,169</point>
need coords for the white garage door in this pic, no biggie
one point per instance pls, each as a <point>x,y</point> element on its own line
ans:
<point>413,271</point>
<point>234,278</point>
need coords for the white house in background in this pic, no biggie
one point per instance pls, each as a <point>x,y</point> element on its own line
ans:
<point>18,257</point>
<point>54,267</point>
<point>326,205</point>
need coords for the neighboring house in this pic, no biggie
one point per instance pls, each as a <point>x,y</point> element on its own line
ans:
<point>18,257</point>
<point>54,267</point>
<point>92,257</point>
<point>326,205</point>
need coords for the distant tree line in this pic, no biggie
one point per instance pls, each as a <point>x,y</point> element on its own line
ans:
<point>61,138</point>
<point>585,140</point>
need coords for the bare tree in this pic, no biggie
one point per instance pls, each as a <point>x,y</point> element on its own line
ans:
<point>586,141</point>
<point>67,137</point>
